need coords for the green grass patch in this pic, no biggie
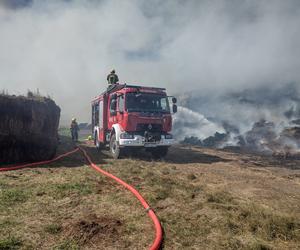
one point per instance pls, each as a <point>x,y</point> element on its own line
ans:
<point>10,243</point>
<point>10,197</point>
<point>7,223</point>
<point>67,245</point>
<point>53,228</point>
<point>262,223</point>
<point>3,184</point>
<point>259,245</point>
<point>270,225</point>
<point>219,197</point>
<point>63,190</point>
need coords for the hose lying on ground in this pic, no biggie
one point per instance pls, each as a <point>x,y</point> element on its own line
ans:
<point>38,163</point>
<point>158,238</point>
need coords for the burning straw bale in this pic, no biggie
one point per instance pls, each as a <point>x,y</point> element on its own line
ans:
<point>28,128</point>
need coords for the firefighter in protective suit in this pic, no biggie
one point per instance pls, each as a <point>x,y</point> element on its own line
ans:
<point>74,130</point>
<point>112,78</point>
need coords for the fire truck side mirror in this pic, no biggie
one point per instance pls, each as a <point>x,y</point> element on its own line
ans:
<point>174,100</point>
<point>174,108</point>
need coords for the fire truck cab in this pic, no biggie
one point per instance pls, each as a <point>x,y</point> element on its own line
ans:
<point>128,117</point>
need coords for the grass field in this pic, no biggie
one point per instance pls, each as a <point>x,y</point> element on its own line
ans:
<point>205,199</point>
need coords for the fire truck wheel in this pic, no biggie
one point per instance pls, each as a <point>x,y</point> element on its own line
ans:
<point>115,150</point>
<point>159,152</point>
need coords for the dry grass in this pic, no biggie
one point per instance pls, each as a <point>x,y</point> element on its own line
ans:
<point>205,199</point>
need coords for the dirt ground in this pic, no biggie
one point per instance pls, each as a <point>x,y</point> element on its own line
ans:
<point>205,199</point>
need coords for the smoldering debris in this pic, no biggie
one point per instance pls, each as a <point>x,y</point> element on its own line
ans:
<point>262,138</point>
<point>28,128</point>
<point>257,120</point>
<point>215,141</point>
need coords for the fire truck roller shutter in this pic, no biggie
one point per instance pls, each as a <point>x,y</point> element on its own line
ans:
<point>96,130</point>
<point>96,137</point>
<point>118,130</point>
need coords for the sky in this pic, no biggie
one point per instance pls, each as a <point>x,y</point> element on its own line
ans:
<point>66,48</point>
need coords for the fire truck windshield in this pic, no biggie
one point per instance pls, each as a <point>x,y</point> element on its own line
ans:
<point>147,102</point>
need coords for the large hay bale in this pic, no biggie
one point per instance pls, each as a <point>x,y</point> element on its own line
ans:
<point>28,128</point>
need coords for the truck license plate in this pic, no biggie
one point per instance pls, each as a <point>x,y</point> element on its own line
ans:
<point>150,145</point>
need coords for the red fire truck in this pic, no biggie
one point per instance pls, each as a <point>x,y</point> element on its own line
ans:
<point>129,117</point>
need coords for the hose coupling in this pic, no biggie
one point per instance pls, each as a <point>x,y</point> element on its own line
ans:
<point>148,209</point>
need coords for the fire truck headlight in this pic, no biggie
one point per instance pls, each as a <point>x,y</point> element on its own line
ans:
<point>126,136</point>
<point>169,136</point>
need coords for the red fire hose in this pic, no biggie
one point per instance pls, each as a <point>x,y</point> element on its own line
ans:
<point>158,238</point>
<point>39,163</point>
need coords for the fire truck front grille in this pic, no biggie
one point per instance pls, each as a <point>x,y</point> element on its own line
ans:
<point>149,127</point>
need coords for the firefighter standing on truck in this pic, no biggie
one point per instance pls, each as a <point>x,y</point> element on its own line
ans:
<point>74,130</point>
<point>112,78</point>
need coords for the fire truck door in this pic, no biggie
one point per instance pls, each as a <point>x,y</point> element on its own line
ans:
<point>101,121</point>
<point>112,111</point>
<point>121,108</point>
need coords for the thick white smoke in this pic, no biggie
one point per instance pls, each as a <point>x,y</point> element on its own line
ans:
<point>263,119</point>
<point>66,48</point>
